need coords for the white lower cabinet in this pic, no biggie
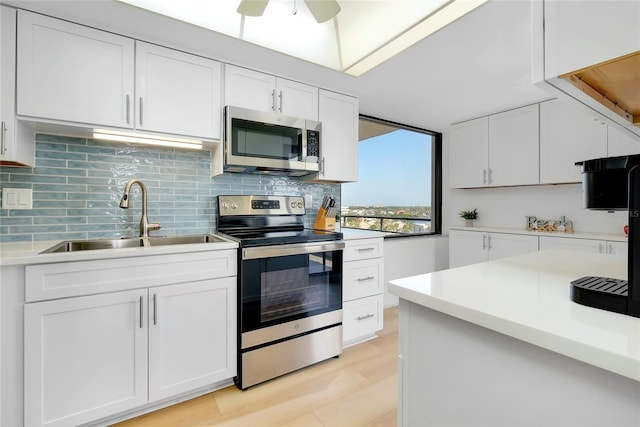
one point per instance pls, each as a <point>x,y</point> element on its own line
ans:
<point>471,247</point>
<point>92,357</point>
<point>587,245</point>
<point>363,289</point>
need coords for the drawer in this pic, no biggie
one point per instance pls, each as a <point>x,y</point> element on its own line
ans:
<point>363,249</point>
<point>361,318</point>
<point>362,278</point>
<point>68,279</point>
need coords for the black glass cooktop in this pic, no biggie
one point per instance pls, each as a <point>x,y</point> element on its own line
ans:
<point>248,238</point>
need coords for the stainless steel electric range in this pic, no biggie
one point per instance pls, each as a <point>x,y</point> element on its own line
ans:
<point>289,286</point>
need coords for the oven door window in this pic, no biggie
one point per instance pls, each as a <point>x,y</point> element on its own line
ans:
<point>253,139</point>
<point>280,289</point>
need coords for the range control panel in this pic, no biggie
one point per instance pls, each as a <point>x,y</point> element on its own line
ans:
<point>261,205</point>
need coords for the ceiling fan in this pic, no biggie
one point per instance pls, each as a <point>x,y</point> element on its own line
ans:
<point>322,10</point>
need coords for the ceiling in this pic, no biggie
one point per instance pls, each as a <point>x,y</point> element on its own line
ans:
<point>477,65</point>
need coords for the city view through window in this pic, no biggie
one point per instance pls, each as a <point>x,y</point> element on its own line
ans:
<point>394,188</point>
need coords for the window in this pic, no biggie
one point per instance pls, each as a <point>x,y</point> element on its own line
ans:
<point>400,180</point>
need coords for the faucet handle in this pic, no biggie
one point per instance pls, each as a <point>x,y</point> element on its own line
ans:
<point>153,226</point>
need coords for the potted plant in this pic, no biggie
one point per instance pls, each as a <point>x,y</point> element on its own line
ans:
<point>469,216</point>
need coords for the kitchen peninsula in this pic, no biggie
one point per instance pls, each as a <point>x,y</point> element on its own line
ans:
<point>501,343</point>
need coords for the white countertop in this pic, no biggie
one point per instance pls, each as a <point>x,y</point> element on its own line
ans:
<point>354,233</point>
<point>527,297</point>
<point>618,237</point>
<point>29,252</point>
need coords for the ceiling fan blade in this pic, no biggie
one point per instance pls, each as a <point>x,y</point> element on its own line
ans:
<point>323,10</point>
<point>252,7</point>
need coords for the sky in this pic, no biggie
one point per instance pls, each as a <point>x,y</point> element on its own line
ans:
<point>394,170</point>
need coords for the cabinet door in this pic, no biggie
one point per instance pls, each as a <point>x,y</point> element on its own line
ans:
<point>469,153</point>
<point>177,92</point>
<point>85,357</point>
<point>617,248</point>
<point>506,245</point>
<point>514,147</point>
<point>577,36</point>
<point>467,247</point>
<point>73,73</point>
<point>297,99</point>
<point>17,139</point>
<point>339,138</point>
<point>584,245</point>
<point>192,336</point>
<point>620,142</point>
<point>568,135</point>
<point>249,89</point>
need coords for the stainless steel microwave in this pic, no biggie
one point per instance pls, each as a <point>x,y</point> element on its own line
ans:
<point>262,142</point>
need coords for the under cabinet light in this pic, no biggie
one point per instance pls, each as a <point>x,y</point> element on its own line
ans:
<point>135,138</point>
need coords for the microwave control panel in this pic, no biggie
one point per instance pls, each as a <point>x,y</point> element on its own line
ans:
<point>313,143</point>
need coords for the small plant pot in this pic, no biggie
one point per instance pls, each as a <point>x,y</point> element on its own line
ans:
<point>468,223</point>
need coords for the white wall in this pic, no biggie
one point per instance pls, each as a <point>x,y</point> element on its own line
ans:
<point>410,256</point>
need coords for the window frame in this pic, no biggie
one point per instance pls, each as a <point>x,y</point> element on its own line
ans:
<point>436,176</point>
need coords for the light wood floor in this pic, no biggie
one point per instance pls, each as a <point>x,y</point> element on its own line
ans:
<point>357,389</point>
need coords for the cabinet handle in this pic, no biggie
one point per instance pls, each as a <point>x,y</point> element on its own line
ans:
<point>155,309</point>
<point>280,96</point>
<point>140,111</point>
<point>484,176</point>
<point>484,241</point>
<point>322,167</point>
<point>489,179</point>
<point>128,109</point>
<point>365,249</point>
<point>3,135</point>
<point>364,279</point>
<point>600,247</point>
<point>141,312</point>
<point>368,316</point>
<point>273,100</point>
<point>489,241</point>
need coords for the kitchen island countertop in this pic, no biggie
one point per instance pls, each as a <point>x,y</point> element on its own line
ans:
<point>527,297</point>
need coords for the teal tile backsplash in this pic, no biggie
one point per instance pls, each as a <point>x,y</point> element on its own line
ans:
<point>77,184</point>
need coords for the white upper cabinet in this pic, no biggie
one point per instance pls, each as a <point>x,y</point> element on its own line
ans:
<point>568,135</point>
<point>513,147</point>
<point>579,34</point>
<point>620,142</point>
<point>17,139</point>
<point>339,116</point>
<point>177,93</point>
<point>73,73</point>
<point>263,92</point>
<point>494,151</point>
<point>469,153</point>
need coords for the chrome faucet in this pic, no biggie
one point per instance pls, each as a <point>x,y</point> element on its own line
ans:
<point>145,226</point>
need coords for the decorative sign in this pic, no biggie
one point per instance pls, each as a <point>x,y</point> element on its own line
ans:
<point>551,226</point>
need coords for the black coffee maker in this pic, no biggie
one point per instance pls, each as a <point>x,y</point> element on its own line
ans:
<point>613,183</point>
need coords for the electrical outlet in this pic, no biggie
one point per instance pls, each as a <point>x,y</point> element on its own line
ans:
<point>17,198</point>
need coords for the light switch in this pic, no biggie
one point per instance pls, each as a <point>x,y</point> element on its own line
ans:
<point>17,198</point>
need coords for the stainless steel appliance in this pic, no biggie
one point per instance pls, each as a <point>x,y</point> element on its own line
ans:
<point>262,142</point>
<point>289,286</point>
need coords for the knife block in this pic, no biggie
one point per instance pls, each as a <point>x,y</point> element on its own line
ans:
<point>323,222</point>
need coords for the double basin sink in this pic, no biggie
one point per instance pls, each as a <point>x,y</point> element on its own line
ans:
<point>133,242</point>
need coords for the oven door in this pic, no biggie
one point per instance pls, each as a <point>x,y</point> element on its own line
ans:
<point>287,290</point>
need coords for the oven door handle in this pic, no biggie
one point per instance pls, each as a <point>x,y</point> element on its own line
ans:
<point>294,249</point>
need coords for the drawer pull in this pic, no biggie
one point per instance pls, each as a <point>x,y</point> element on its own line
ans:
<point>364,279</point>
<point>365,249</point>
<point>368,316</point>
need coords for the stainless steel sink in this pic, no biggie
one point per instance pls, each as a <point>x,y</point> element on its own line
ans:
<point>133,242</point>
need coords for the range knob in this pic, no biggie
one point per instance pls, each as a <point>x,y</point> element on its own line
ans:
<point>293,204</point>
<point>300,204</point>
<point>225,206</point>
<point>234,205</point>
